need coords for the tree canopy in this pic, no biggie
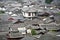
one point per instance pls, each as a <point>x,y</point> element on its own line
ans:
<point>1,12</point>
<point>48,1</point>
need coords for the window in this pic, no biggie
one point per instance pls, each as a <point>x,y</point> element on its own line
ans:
<point>29,14</point>
<point>35,13</point>
<point>29,18</point>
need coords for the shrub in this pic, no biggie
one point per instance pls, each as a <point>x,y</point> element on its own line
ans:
<point>1,12</point>
<point>58,13</point>
<point>33,32</point>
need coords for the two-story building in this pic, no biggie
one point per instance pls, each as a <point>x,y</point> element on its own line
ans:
<point>29,12</point>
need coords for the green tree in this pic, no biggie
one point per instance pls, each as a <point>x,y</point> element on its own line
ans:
<point>58,13</point>
<point>1,12</point>
<point>48,1</point>
<point>33,32</point>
